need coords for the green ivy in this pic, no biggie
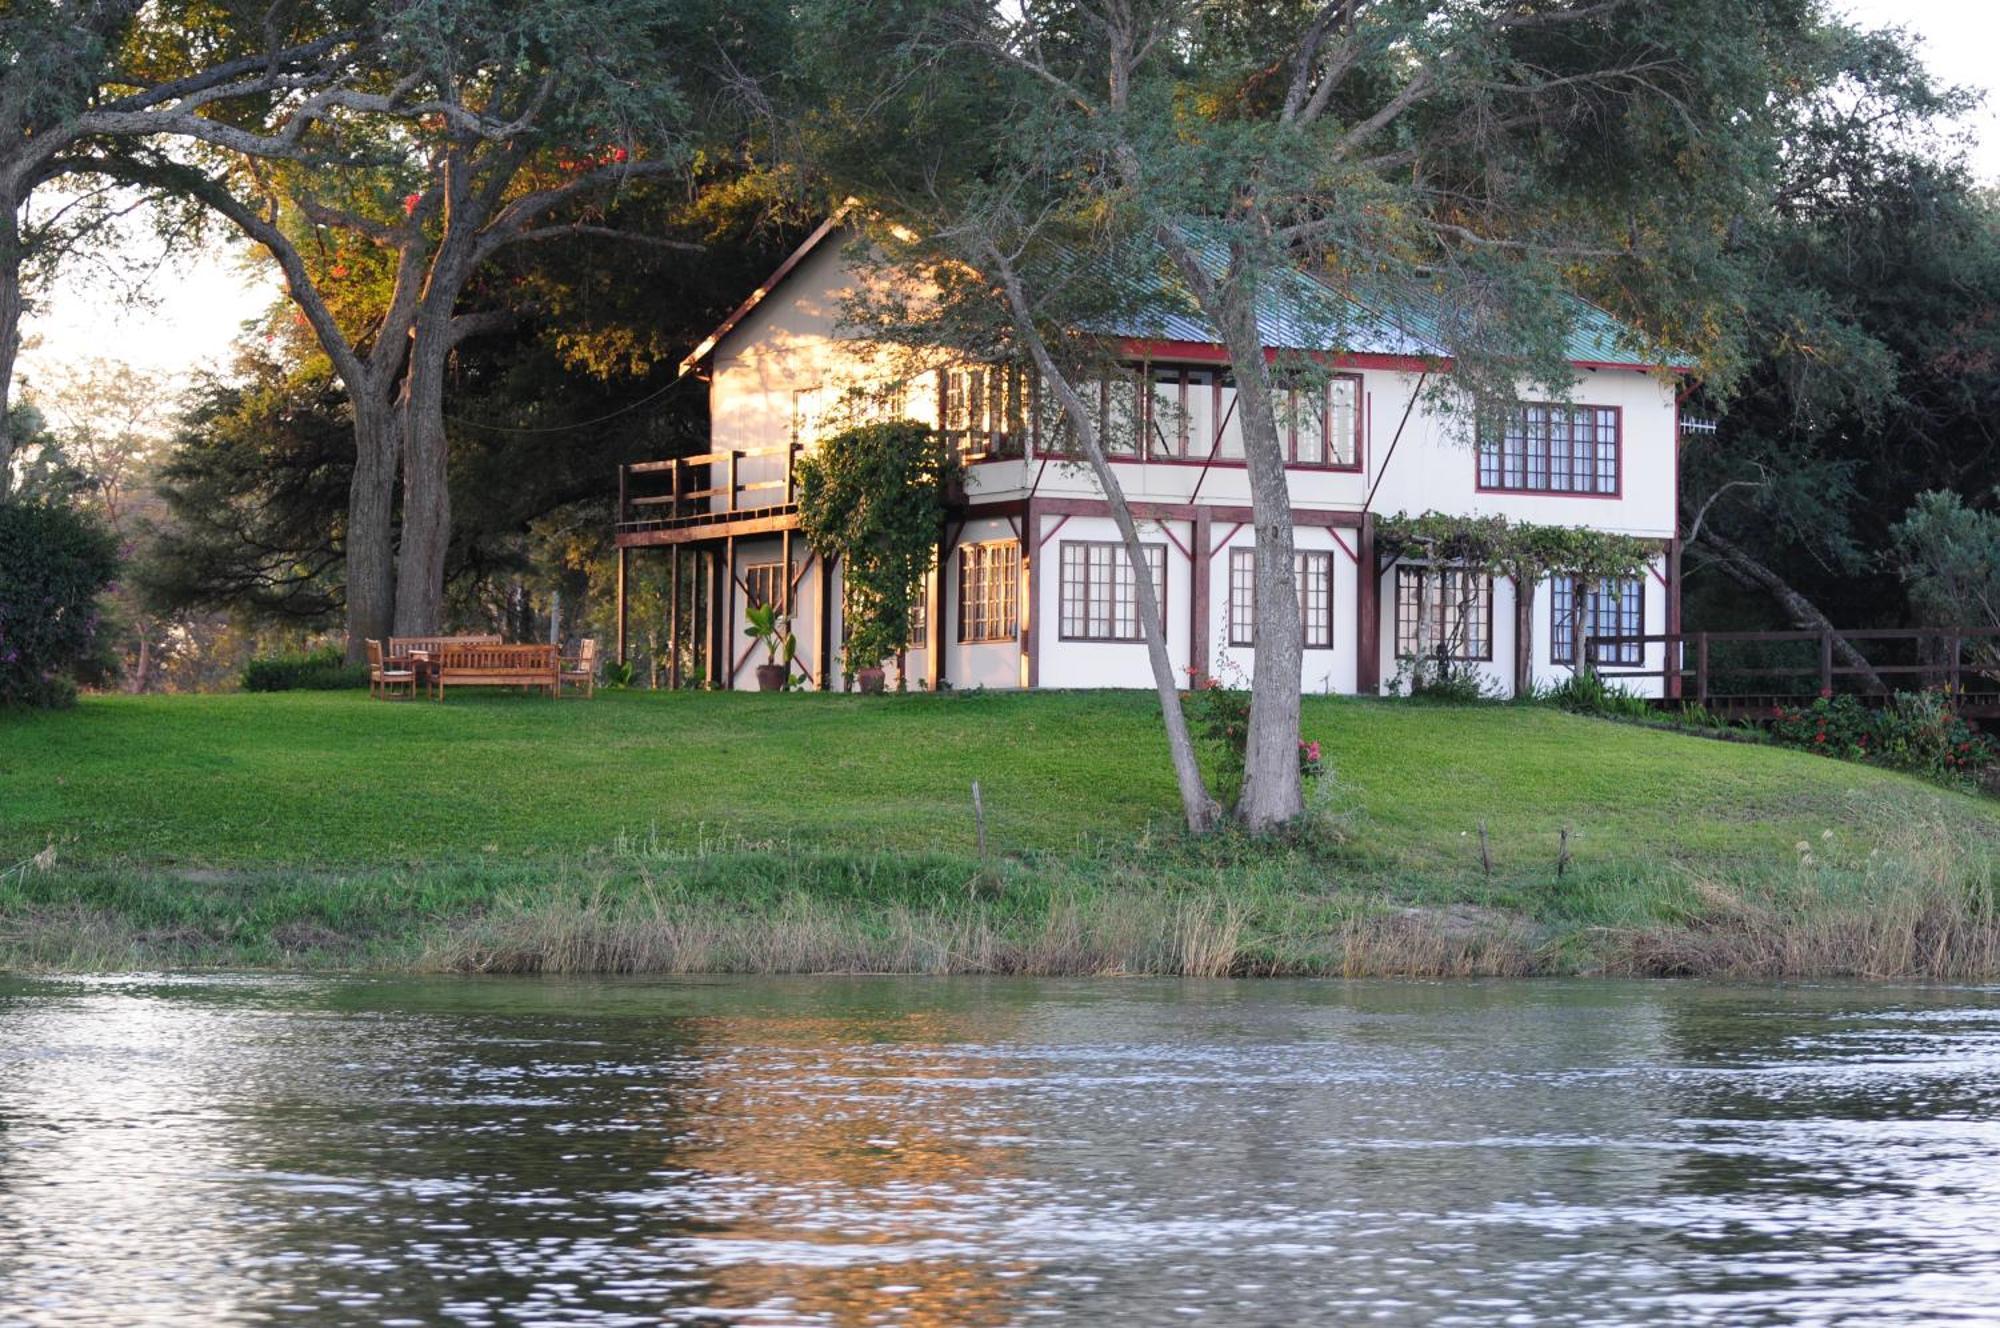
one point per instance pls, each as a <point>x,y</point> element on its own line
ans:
<point>874,496</point>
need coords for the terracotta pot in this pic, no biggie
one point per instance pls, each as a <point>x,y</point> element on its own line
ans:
<point>871,681</point>
<point>771,677</point>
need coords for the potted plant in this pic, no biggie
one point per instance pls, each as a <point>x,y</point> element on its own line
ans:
<point>773,631</point>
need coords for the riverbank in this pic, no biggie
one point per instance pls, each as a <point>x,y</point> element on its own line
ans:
<point>725,833</point>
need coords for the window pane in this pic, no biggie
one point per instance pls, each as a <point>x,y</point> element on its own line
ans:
<point>1229,421</point>
<point>1242,597</point>
<point>1344,422</point>
<point>1552,449</point>
<point>1167,426</point>
<point>988,591</point>
<point>1199,406</point>
<point>1099,598</point>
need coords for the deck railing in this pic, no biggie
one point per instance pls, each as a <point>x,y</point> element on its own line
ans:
<point>1964,659</point>
<point>709,486</point>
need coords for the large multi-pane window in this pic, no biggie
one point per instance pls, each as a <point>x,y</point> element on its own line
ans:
<point>1610,608</point>
<point>1444,611</point>
<point>989,591</point>
<point>1193,413</point>
<point>1312,569</point>
<point>1099,595</point>
<point>1544,448</point>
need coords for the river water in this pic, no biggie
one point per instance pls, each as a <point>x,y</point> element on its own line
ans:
<point>223,1150</point>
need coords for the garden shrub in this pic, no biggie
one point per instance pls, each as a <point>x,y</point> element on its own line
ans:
<point>54,561</point>
<point>1588,694</point>
<point>323,670</point>
<point>1919,732</point>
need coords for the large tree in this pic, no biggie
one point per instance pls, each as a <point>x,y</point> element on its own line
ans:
<point>1480,159</point>
<point>76,72</point>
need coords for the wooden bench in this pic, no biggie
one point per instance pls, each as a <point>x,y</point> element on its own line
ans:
<point>497,666</point>
<point>401,647</point>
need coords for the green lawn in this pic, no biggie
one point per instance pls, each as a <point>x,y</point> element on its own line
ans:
<point>335,780</point>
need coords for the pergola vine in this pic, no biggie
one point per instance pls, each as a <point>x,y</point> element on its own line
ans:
<point>1524,552</point>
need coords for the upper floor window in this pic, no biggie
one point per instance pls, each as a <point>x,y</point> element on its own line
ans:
<point>1443,611</point>
<point>1195,413</point>
<point>985,409</point>
<point>1550,448</point>
<point>1099,598</point>
<point>989,591</point>
<point>1312,570</point>
<point>1611,608</point>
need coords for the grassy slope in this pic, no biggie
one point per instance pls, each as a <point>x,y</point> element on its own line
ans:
<point>171,797</point>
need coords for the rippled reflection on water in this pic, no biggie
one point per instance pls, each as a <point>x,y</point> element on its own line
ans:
<point>223,1150</point>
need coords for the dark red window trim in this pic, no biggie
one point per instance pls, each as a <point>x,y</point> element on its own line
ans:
<point>1617,452</point>
<point>1122,563</point>
<point>1327,624</point>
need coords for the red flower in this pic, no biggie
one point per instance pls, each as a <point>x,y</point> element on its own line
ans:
<point>1821,737</point>
<point>410,202</point>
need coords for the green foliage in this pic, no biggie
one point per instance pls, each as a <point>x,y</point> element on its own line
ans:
<point>1919,732</point>
<point>874,496</point>
<point>1586,693</point>
<point>773,631</point>
<point>1950,559</point>
<point>617,676</point>
<point>1442,680</point>
<point>1495,545</point>
<point>54,563</point>
<point>322,670</point>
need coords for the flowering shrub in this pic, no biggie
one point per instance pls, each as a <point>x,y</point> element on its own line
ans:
<point>1917,731</point>
<point>53,563</point>
<point>1310,764</point>
<point>1220,716</point>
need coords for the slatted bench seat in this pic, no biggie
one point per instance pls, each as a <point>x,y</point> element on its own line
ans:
<point>498,666</point>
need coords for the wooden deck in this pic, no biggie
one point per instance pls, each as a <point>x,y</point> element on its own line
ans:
<point>1749,675</point>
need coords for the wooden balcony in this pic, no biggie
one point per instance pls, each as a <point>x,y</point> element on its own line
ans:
<point>711,494</point>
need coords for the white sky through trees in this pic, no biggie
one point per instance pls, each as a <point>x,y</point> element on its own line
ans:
<point>197,300</point>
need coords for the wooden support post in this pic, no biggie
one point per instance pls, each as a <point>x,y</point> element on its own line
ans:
<point>1031,573</point>
<point>624,570</point>
<point>729,498</point>
<point>1673,662</point>
<point>725,617</point>
<point>1825,661</point>
<point>1954,647</point>
<point>1368,611</point>
<point>1198,595</point>
<point>718,646</point>
<point>785,576</point>
<point>823,583</point>
<point>1701,667</point>
<point>624,507</point>
<point>934,670</point>
<point>674,619</point>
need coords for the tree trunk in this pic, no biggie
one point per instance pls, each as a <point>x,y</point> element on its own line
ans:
<point>426,484</point>
<point>1803,613</point>
<point>370,543</point>
<point>1198,805</point>
<point>10,329</point>
<point>1524,634</point>
<point>1272,794</point>
<point>1579,597</point>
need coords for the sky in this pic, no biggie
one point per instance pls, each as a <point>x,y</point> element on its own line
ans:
<point>198,300</point>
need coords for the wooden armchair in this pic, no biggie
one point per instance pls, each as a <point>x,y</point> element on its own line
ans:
<point>580,669</point>
<point>383,678</point>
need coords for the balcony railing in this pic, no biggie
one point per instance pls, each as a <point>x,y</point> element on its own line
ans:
<point>719,486</point>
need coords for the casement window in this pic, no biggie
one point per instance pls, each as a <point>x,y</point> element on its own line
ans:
<point>1312,569</point>
<point>1193,413</point>
<point>989,591</point>
<point>1547,448</point>
<point>920,617</point>
<point>764,583</point>
<point>1443,610</point>
<point>985,409</point>
<point>1611,608</point>
<point>1099,596</point>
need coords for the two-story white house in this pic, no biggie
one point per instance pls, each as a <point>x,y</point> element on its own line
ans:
<point>1032,588</point>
